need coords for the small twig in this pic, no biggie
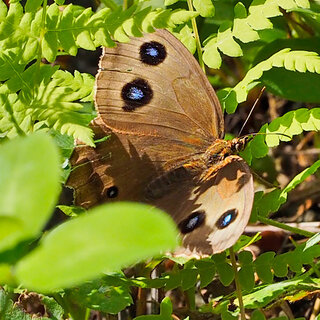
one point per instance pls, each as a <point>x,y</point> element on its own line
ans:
<point>286,309</point>
<point>254,105</point>
<point>316,309</point>
<point>196,35</point>
<point>236,280</point>
<point>312,227</point>
<point>284,226</point>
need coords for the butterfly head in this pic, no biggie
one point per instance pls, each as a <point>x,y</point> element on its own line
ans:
<point>238,144</point>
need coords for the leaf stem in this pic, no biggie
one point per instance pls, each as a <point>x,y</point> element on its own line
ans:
<point>236,280</point>
<point>283,226</point>
<point>196,35</point>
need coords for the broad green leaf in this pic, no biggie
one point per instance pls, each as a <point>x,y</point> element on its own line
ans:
<point>182,16</point>
<point>29,171</point>
<point>204,7</point>
<point>107,238</point>
<point>280,266</point>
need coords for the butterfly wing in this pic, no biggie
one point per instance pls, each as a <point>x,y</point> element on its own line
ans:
<point>213,214</point>
<point>159,111</point>
<point>158,108</point>
<point>153,86</point>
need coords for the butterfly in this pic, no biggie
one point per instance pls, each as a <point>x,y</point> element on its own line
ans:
<point>165,144</point>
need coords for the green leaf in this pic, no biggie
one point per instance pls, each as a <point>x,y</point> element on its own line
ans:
<point>224,269</point>
<point>299,61</point>
<point>312,241</point>
<point>71,211</point>
<point>107,238</point>
<point>29,187</point>
<point>241,28</point>
<point>266,294</point>
<point>165,312</point>
<point>33,5</point>
<point>9,311</point>
<point>204,7</point>
<point>257,315</point>
<point>263,266</point>
<point>207,271</point>
<point>106,295</point>
<point>188,278</point>
<point>226,42</point>
<point>246,272</point>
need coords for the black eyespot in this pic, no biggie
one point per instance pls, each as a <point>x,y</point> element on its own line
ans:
<point>136,94</point>
<point>152,53</point>
<point>227,218</point>
<point>195,220</point>
<point>112,192</point>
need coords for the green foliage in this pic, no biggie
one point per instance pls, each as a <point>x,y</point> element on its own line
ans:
<point>165,312</point>
<point>300,61</point>
<point>88,238</point>
<point>26,199</point>
<point>35,96</point>
<point>275,43</point>
<point>245,26</point>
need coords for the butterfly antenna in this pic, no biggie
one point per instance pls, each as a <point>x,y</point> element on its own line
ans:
<point>249,115</point>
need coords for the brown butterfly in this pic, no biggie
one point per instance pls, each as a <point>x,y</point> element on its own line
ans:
<point>165,146</point>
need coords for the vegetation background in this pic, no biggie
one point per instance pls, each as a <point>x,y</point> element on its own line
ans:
<point>48,59</point>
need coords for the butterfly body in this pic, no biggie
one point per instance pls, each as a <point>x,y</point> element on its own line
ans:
<point>165,146</point>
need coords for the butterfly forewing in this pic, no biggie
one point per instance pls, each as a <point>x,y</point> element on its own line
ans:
<point>172,98</point>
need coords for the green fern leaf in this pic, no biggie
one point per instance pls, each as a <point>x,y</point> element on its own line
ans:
<point>271,202</point>
<point>49,99</point>
<point>290,124</point>
<point>300,61</point>
<point>245,27</point>
<point>204,7</point>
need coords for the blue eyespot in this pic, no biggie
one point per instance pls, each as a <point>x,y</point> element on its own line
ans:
<point>135,93</point>
<point>194,221</point>
<point>152,53</point>
<point>227,218</point>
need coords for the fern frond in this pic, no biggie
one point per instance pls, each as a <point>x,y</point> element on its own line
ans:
<point>47,101</point>
<point>300,61</point>
<point>245,28</point>
<point>290,124</point>
<point>270,202</point>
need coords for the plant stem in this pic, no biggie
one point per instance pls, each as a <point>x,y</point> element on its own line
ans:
<point>125,4</point>
<point>236,280</point>
<point>196,35</point>
<point>285,227</point>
